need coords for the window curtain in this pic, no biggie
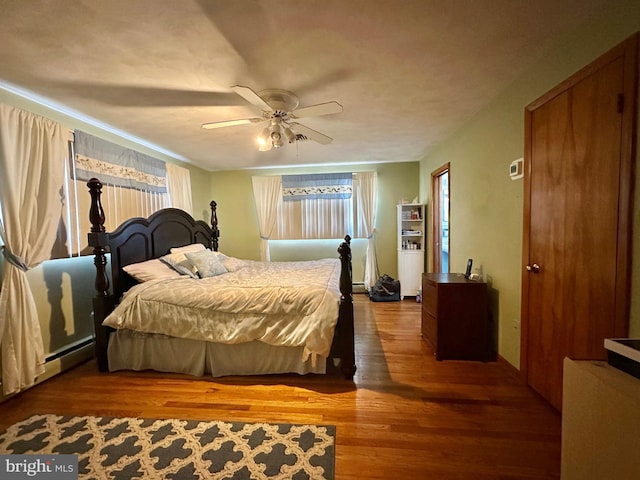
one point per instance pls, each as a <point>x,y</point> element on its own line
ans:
<point>314,218</point>
<point>366,191</point>
<point>32,158</point>
<point>179,187</point>
<point>117,165</point>
<point>134,185</point>
<point>317,185</point>
<point>267,192</point>
<point>316,206</point>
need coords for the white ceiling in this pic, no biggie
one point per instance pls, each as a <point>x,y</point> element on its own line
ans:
<point>407,72</point>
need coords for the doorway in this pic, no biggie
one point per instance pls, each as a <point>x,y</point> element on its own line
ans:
<point>440,219</point>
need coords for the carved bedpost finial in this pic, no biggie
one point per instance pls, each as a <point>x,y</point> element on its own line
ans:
<point>96,212</point>
<point>214,226</point>
<point>97,239</point>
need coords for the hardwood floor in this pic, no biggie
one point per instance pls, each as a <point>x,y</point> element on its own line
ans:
<point>404,416</point>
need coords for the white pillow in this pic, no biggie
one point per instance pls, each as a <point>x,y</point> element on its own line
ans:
<point>180,263</point>
<point>150,270</point>
<point>207,263</point>
<point>194,247</point>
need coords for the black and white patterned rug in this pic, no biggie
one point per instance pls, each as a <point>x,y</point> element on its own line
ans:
<point>128,448</point>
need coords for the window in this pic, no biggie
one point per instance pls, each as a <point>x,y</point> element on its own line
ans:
<point>309,212</point>
<point>134,185</point>
<point>314,218</point>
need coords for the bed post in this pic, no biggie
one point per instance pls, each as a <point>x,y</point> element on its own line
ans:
<point>103,301</point>
<point>346,346</point>
<point>214,226</point>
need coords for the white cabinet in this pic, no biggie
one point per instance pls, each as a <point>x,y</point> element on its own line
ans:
<point>600,422</point>
<point>411,246</point>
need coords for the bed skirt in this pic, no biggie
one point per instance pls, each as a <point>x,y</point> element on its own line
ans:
<point>130,350</point>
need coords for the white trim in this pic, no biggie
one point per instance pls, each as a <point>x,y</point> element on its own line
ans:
<point>59,365</point>
<point>45,102</point>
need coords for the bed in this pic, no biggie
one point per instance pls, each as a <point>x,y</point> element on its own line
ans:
<point>257,318</point>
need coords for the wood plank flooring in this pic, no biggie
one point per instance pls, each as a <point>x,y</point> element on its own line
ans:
<point>405,415</point>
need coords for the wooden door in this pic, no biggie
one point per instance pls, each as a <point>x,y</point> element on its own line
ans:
<point>579,151</point>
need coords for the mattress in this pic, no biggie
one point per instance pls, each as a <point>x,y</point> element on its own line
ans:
<point>281,304</point>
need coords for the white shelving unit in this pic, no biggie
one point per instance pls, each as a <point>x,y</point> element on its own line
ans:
<point>411,246</point>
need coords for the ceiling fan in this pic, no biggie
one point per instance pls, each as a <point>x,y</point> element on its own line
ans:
<point>280,108</point>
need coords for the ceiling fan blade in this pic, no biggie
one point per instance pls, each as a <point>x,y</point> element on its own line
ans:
<point>231,123</point>
<point>316,110</point>
<point>252,97</point>
<point>311,134</point>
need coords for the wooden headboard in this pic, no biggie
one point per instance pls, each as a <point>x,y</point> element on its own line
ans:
<point>137,240</point>
<point>140,239</point>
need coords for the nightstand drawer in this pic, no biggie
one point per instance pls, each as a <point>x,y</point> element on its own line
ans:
<point>429,297</point>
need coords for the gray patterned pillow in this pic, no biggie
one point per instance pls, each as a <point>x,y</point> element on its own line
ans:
<point>207,263</point>
<point>180,263</point>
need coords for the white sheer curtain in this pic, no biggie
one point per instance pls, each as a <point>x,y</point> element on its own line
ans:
<point>314,218</point>
<point>267,193</point>
<point>366,190</point>
<point>179,186</point>
<point>120,204</point>
<point>32,157</point>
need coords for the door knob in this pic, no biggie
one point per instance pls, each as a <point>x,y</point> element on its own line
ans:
<point>535,268</point>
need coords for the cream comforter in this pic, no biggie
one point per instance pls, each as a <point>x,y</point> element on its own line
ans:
<point>278,303</point>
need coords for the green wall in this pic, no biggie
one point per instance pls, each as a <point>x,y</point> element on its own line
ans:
<point>239,235</point>
<point>486,205</point>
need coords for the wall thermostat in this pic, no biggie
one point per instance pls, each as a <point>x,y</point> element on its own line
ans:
<point>516,169</point>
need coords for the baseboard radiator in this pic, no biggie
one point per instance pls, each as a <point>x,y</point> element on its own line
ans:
<point>358,287</point>
<point>61,360</point>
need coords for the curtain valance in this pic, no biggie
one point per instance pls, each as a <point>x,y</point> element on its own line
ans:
<point>116,165</point>
<point>317,186</point>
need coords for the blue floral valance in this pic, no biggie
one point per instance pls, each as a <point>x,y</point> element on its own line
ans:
<point>314,186</point>
<point>116,165</point>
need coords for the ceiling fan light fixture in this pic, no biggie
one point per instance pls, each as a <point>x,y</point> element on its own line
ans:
<point>264,136</point>
<point>288,133</point>
<point>276,138</point>
<point>276,133</point>
<point>279,108</point>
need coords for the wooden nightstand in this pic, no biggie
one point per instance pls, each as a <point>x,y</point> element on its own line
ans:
<point>455,317</point>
